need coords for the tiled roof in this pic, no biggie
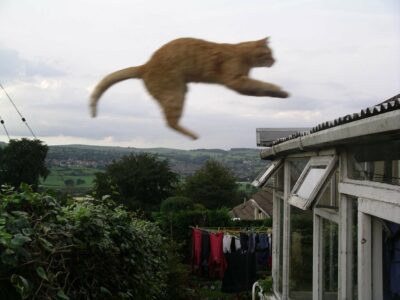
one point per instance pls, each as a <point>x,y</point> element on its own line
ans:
<point>245,211</point>
<point>386,106</point>
<point>264,199</point>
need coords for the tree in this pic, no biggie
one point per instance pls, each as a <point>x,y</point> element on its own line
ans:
<point>69,182</point>
<point>176,203</point>
<point>214,185</point>
<point>23,161</point>
<point>142,180</point>
<point>80,181</point>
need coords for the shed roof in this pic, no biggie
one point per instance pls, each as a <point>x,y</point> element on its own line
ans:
<point>386,106</point>
<point>371,121</point>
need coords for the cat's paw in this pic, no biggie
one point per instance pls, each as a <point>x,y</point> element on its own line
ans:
<point>194,136</point>
<point>280,94</point>
<point>284,94</point>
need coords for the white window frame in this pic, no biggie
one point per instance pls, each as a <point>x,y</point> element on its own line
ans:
<point>378,200</point>
<point>370,244</point>
<point>303,203</point>
<point>276,236</point>
<point>263,177</point>
<point>321,214</point>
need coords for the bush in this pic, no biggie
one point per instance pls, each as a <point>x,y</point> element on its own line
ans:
<point>84,250</point>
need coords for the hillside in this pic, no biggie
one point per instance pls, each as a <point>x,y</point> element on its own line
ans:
<point>245,163</point>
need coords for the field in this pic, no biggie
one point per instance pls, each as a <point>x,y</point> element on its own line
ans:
<point>70,177</point>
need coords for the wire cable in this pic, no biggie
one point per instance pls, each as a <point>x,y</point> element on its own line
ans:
<point>4,126</point>
<point>16,108</point>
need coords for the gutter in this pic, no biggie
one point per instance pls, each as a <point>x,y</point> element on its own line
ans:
<point>374,125</point>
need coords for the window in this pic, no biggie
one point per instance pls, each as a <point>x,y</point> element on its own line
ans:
<point>296,167</point>
<point>330,244</point>
<point>390,279</point>
<point>379,250</point>
<point>311,180</point>
<point>329,198</point>
<point>301,254</point>
<point>326,242</point>
<point>376,162</point>
<point>266,174</point>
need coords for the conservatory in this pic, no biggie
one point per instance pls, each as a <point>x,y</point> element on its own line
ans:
<point>336,207</point>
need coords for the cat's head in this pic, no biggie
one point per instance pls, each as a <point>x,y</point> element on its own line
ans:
<point>259,53</point>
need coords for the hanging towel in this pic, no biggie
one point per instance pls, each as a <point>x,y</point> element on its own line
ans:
<point>217,262</point>
<point>196,247</point>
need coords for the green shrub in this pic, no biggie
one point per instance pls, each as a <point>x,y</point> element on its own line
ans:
<point>83,250</point>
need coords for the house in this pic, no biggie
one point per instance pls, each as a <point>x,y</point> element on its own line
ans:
<point>258,207</point>
<point>336,207</point>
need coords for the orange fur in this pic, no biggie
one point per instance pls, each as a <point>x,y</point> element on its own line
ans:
<point>186,60</point>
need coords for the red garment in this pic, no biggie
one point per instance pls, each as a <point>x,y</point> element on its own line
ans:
<point>196,247</point>
<point>217,263</point>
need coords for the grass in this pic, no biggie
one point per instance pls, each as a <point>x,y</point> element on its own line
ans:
<point>80,177</point>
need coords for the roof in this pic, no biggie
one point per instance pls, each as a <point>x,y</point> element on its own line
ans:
<point>265,136</point>
<point>377,122</point>
<point>386,106</point>
<point>264,200</point>
<point>261,200</point>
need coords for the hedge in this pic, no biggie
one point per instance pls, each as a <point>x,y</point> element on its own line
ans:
<point>80,250</point>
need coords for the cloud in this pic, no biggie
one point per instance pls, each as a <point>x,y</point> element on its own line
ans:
<point>15,67</point>
<point>334,57</point>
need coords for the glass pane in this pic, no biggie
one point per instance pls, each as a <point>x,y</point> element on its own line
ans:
<point>265,173</point>
<point>279,180</point>
<point>311,180</point>
<point>296,168</point>
<point>301,253</point>
<point>330,197</point>
<point>330,259</point>
<point>376,162</point>
<point>391,260</point>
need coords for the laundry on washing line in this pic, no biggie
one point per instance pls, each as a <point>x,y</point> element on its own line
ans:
<point>231,254</point>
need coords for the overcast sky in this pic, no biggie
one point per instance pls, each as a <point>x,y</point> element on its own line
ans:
<point>335,57</point>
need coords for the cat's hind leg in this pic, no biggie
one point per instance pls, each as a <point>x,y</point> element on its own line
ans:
<point>247,86</point>
<point>171,97</point>
<point>172,115</point>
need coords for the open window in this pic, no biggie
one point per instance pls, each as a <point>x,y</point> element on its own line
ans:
<point>266,174</point>
<point>311,180</point>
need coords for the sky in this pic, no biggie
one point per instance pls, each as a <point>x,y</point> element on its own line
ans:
<point>334,57</point>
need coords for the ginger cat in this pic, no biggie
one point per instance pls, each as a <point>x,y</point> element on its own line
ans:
<point>186,60</point>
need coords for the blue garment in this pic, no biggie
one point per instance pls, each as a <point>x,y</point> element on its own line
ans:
<point>395,259</point>
<point>263,241</point>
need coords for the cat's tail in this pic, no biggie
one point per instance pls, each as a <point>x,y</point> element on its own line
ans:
<point>109,80</point>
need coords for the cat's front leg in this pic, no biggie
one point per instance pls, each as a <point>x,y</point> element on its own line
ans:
<point>247,86</point>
